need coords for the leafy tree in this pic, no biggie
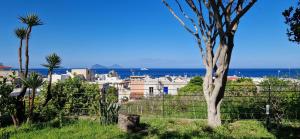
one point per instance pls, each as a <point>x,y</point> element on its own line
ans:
<point>21,34</point>
<point>292,19</point>
<point>53,61</point>
<point>212,22</point>
<point>33,81</point>
<point>194,86</point>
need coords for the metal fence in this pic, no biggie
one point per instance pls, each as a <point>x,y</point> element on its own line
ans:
<point>261,102</point>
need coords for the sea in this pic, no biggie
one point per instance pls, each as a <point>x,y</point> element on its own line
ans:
<point>158,72</point>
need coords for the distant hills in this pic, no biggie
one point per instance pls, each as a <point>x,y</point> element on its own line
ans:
<point>114,66</point>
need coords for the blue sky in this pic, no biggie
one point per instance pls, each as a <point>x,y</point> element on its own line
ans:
<point>138,33</point>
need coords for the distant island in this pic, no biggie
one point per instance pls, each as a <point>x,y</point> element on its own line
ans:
<point>114,66</point>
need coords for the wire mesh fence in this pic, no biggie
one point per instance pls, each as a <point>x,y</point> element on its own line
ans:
<point>239,102</point>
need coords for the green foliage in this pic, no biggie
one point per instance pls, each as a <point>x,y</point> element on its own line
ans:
<point>156,129</point>
<point>31,20</point>
<point>7,102</point>
<point>194,86</point>
<point>275,82</point>
<point>21,33</point>
<point>240,87</point>
<point>70,97</point>
<point>112,94</point>
<point>196,81</point>
<point>109,107</point>
<point>33,81</point>
<point>284,98</point>
<point>53,61</point>
<point>292,19</point>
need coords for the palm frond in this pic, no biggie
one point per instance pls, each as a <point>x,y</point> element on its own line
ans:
<point>20,33</point>
<point>53,61</point>
<point>31,20</point>
<point>33,81</point>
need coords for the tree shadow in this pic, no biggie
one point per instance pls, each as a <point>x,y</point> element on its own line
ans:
<point>148,131</point>
<point>286,132</point>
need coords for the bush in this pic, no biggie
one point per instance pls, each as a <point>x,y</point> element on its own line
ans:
<point>194,86</point>
<point>7,102</point>
<point>70,97</point>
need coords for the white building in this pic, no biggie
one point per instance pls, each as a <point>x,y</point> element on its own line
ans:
<point>86,73</point>
<point>162,85</point>
<point>114,80</point>
<point>60,77</point>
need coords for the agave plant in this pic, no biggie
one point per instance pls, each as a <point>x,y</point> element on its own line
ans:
<point>108,109</point>
<point>33,81</point>
<point>53,61</point>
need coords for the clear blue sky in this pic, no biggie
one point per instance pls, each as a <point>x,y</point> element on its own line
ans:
<point>138,33</point>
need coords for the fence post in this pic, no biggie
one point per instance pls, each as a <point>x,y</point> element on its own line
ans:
<point>163,105</point>
<point>268,107</point>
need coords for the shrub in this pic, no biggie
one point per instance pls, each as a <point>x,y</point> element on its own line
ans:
<point>194,86</point>
<point>7,102</point>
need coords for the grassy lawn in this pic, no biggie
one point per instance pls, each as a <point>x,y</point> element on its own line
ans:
<point>155,128</point>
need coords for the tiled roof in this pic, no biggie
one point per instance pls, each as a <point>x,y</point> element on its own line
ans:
<point>5,67</point>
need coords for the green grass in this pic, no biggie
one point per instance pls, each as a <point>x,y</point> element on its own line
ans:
<point>155,128</point>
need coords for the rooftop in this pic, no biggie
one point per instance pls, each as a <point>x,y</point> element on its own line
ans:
<point>5,67</point>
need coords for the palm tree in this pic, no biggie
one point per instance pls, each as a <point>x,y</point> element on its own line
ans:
<point>53,61</point>
<point>30,20</point>
<point>21,34</point>
<point>33,81</point>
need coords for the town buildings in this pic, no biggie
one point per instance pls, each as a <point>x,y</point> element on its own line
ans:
<point>145,86</point>
<point>7,72</point>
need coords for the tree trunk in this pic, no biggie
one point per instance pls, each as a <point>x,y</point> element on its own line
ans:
<point>214,100</point>
<point>128,122</point>
<point>27,52</point>
<point>48,95</point>
<point>20,58</point>
<point>15,120</point>
<point>32,105</point>
<point>214,85</point>
<point>20,106</point>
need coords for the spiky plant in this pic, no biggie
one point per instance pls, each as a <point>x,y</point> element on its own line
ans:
<point>53,61</point>
<point>33,81</point>
<point>21,34</point>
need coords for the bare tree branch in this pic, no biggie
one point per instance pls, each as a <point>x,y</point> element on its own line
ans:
<point>178,18</point>
<point>187,17</point>
<point>242,12</point>
<point>218,21</point>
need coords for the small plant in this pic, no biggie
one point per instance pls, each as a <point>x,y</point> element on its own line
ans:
<point>109,108</point>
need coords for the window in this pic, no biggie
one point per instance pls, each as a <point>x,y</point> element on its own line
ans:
<point>151,91</point>
<point>166,90</point>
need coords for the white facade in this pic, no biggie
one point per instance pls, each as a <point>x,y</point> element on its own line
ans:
<point>59,77</point>
<point>86,73</point>
<point>114,80</point>
<point>164,85</point>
